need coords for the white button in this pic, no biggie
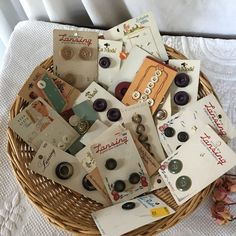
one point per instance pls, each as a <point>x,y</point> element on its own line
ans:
<point>158,73</point>
<point>150,85</point>
<point>154,79</point>
<point>147,91</point>
<point>41,84</point>
<point>66,139</point>
<point>144,97</point>
<point>61,145</point>
<point>136,95</point>
<point>74,120</point>
<point>150,102</point>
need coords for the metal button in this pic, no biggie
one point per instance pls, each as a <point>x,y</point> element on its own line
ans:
<point>100,105</point>
<point>150,85</point>
<point>86,53</point>
<point>105,62</point>
<point>128,206</point>
<point>140,129</point>
<point>113,114</point>
<point>64,170</point>
<point>41,84</point>
<point>150,102</point>
<point>182,80</point>
<point>121,90</point>
<point>87,184</point>
<point>143,138</point>
<point>111,164</point>
<point>147,91</point>
<point>83,127</point>
<point>61,145</point>
<point>144,97</point>
<point>161,114</point>
<point>154,79</point>
<point>119,186</point>
<point>137,118</point>
<point>181,98</point>
<point>183,183</point>
<point>183,136</point>
<point>134,178</point>
<point>67,53</point>
<point>66,139</point>
<point>175,166</point>
<point>169,132</point>
<point>74,120</point>
<point>136,95</point>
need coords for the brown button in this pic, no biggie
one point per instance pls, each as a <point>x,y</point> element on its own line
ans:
<point>67,52</point>
<point>86,53</point>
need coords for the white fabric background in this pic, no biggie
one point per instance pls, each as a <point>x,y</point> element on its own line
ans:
<point>29,45</point>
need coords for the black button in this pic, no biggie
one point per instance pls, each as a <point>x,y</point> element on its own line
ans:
<point>119,186</point>
<point>64,170</point>
<point>183,136</point>
<point>169,132</point>
<point>134,178</point>
<point>111,164</point>
<point>121,90</point>
<point>104,62</point>
<point>100,105</point>
<point>140,129</point>
<point>175,166</point>
<point>128,206</point>
<point>113,114</point>
<point>182,80</point>
<point>87,184</point>
<point>183,183</point>
<point>181,98</point>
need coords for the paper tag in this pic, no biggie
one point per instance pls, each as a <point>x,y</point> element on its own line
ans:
<point>75,57</point>
<point>152,143</point>
<point>188,84</point>
<point>116,221</point>
<point>95,91</point>
<point>52,89</point>
<point>139,25</point>
<point>160,211</point>
<point>150,84</point>
<point>39,122</point>
<point>46,162</point>
<point>204,153</point>
<point>108,60</point>
<point>106,149</point>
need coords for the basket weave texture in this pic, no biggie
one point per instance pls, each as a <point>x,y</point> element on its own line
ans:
<point>72,211</point>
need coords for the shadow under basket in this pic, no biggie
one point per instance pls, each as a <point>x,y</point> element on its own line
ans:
<point>72,211</point>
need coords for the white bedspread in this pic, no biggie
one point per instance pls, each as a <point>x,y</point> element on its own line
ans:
<point>30,44</point>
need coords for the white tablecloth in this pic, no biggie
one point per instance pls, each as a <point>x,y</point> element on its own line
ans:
<point>30,44</point>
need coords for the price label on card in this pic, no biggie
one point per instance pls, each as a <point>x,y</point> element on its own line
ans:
<point>160,212</point>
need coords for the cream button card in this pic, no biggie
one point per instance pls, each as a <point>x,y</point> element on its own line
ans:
<point>124,217</point>
<point>196,164</point>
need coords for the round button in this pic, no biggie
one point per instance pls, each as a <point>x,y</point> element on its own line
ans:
<point>100,105</point>
<point>119,186</point>
<point>111,164</point>
<point>87,184</point>
<point>183,183</point>
<point>169,132</point>
<point>69,78</point>
<point>183,136</point>
<point>154,79</point>
<point>74,120</point>
<point>181,98</point>
<point>142,138</point>
<point>64,170</point>
<point>140,129</point>
<point>158,73</point>
<point>66,139</point>
<point>182,80</point>
<point>150,85</point>
<point>121,90</point>
<point>86,53</point>
<point>134,178</point>
<point>144,97</point>
<point>41,84</point>
<point>175,166</point>
<point>113,114</point>
<point>136,95</point>
<point>161,114</point>
<point>128,206</point>
<point>147,91</point>
<point>61,145</point>
<point>67,52</point>
<point>150,102</point>
<point>82,127</point>
<point>137,118</point>
<point>104,62</point>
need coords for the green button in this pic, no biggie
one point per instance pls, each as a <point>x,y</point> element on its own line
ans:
<point>175,166</point>
<point>183,183</point>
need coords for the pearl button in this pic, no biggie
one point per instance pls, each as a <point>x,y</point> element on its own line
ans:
<point>41,84</point>
<point>150,102</point>
<point>150,85</point>
<point>154,79</point>
<point>136,95</point>
<point>147,91</point>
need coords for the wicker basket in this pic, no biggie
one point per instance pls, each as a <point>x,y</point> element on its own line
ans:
<point>72,211</point>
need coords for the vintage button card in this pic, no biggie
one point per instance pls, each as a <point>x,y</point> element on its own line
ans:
<point>75,57</point>
<point>64,169</point>
<point>41,83</point>
<point>124,217</point>
<point>108,60</point>
<point>107,106</point>
<point>143,27</point>
<point>204,153</point>
<point>122,180</point>
<point>184,89</point>
<point>39,122</point>
<point>150,84</point>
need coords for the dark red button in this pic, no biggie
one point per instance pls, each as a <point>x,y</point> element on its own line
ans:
<point>121,89</point>
<point>113,114</point>
<point>104,62</point>
<point>181,98</point>
<point>182,80</point>
<point>100,105</point>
